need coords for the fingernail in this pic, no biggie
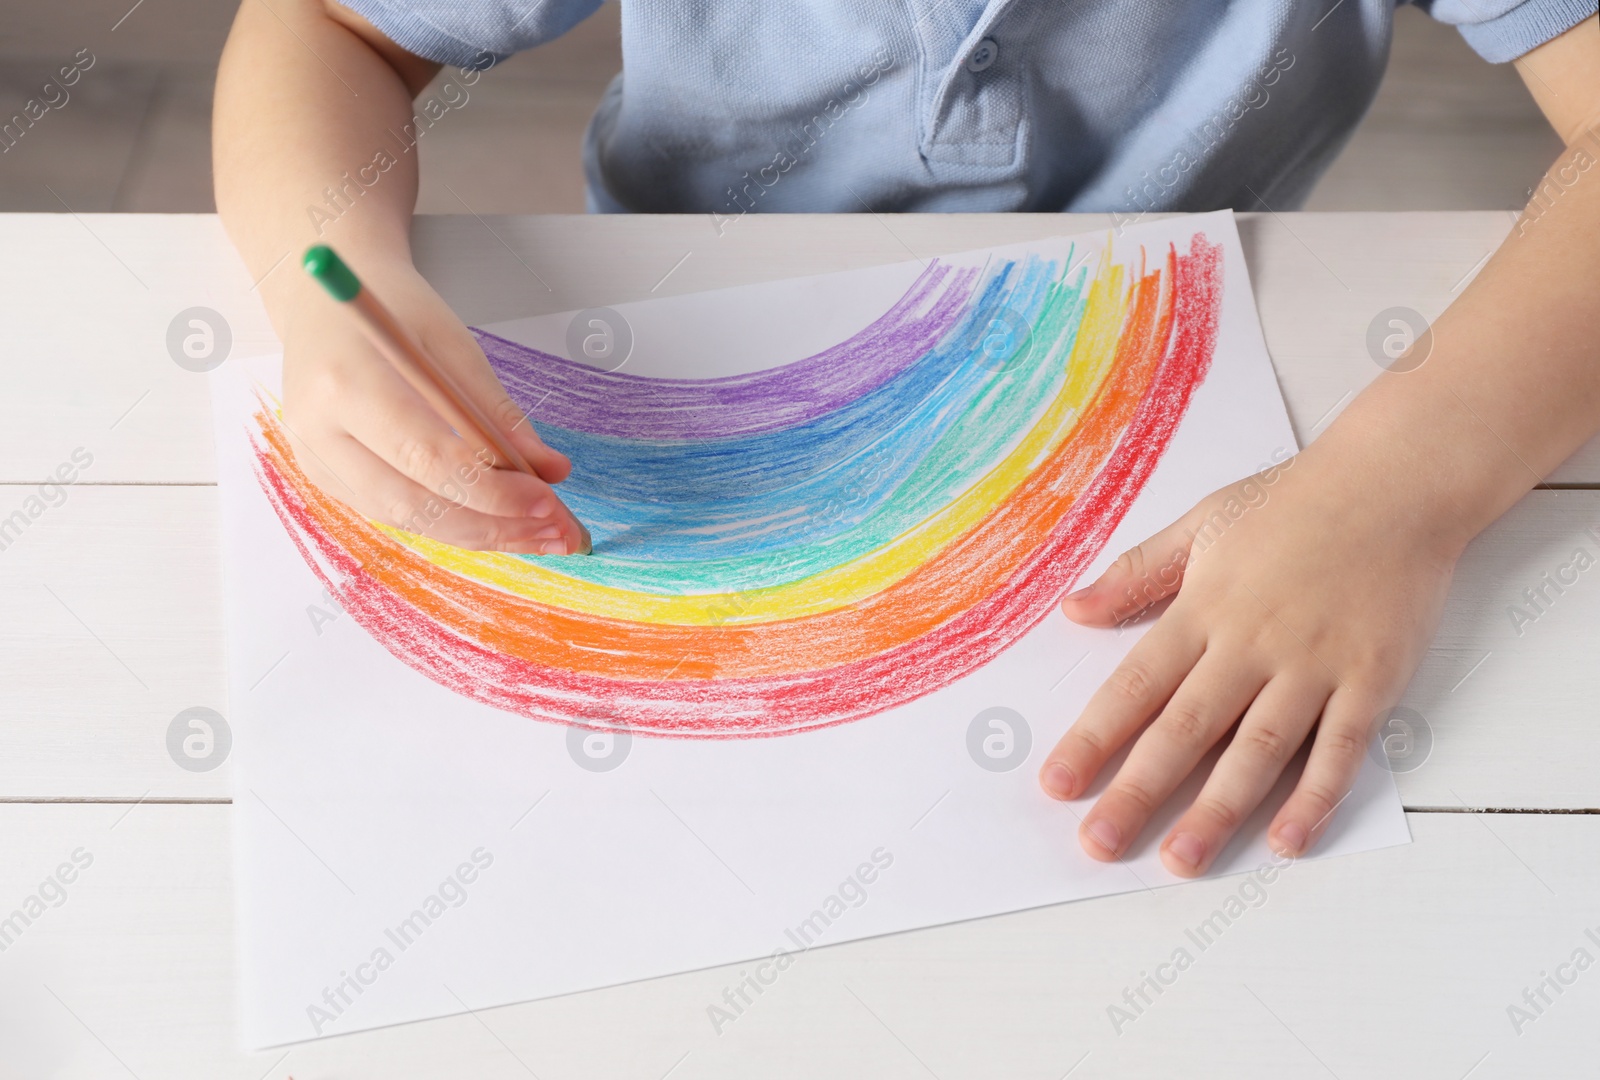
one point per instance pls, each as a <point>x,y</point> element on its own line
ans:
<point>587,546</point>
<point>549,532</point>
<point>542,508</point>
<point>1080,593</point>
<point>1106,834</point>
<point>1058,781</point>
<point>553,547</point>
<point>1292,837</point>
<point>1188,849</point>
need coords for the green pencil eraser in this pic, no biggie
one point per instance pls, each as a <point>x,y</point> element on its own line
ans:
<point>322,263</point>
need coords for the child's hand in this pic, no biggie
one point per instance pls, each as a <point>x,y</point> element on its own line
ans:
<point>365,437</point>
<point>1318,600</point>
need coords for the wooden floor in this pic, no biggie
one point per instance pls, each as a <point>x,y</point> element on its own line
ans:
<point>1448,131</point>
<point>1406,962</point>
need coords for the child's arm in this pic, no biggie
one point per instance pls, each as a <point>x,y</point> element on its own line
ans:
<point>310,102</point>
<point>1320,602</point>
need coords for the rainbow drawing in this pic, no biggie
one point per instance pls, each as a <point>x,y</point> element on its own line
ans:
<point>809,544</point>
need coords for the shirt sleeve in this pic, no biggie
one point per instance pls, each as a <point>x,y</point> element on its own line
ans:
<point>1501,30</point>
<point>472,33</point>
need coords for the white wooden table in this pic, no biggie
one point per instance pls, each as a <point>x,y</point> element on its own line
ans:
<point>1399,963</point>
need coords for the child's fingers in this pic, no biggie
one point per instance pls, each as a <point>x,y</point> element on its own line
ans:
<point>1336,754</point>
<point>551,464</point>
<point>471,369</point>
<point>1202,709</point>
<point>1140,577</point>
<point>393,421</point>
<point>1139,687</point>
<point>1272,730</point>
<point>376,490</point>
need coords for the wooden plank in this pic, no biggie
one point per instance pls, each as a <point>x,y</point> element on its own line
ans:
<point>100,376</point>
<point>88,301</point>
<point>133,974</point>
<point>1508,687</point>
<point>110,624</point>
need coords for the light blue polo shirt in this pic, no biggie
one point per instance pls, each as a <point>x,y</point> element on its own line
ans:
<point>1126,106</point>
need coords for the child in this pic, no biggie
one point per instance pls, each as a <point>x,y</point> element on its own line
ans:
<point>1312,611</point>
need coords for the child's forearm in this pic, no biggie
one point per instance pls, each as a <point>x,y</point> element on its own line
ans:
<point>1512,385</point>
<point>303,106</point>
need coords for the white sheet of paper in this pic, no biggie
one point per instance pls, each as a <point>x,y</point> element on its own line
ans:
<point>363,787</point>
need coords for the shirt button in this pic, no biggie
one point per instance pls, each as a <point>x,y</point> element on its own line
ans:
<point>984,56</point>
